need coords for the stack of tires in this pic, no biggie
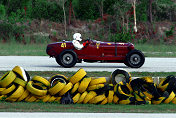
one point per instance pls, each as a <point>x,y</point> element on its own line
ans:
<point>17,85</point>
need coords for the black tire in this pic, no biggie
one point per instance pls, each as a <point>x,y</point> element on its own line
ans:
<point>135,59</point>
<point>67,59</point>
<point>122,74</point>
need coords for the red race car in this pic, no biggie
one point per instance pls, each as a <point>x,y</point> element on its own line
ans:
<point>67,55</point>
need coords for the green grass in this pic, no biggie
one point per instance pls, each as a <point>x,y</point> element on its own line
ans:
<point>159,50</point>
<point>13,48</point>
<point>95,74</point>
<point>85,108</point>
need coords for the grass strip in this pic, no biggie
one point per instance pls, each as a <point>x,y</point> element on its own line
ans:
<point>95,74</point>
<point>84,108</point>
<point>39,49</point>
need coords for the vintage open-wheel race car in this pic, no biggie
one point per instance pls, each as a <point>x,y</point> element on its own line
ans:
<point>67,55</point>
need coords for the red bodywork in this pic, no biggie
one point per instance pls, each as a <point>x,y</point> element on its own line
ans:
<point>95,51</point>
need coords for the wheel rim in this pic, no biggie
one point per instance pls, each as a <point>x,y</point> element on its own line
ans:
<point>135,59</point>
<point>67,58</point>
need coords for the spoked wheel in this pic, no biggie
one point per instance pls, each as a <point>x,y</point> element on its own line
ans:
<point>135,59</point>
<point>67,59</point>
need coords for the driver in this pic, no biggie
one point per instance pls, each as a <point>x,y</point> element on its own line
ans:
<point>76,41</point>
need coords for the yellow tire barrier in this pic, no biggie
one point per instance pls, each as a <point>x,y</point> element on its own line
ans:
<point>7,79</point>
<point>52,99</point>
<point>96,81</point>
<point>105,101</point>
<point>94,87</point>
<point>17,93</point>
<point>78,76</point>
<point>47,97</point>
<point>82,97</point>
<point>115,99</point>
<point>75,88</point>
<point>66,89</point>
<point>56,88</point>
<point>23,96</point>
<point>35,91</point>
<point>8,90</point>
<point>21,73</point>
<point>59,77</point>
<point>31,98</point>
<point>170,98</point>
<point>20,82</point>
<point>89,96</point>
<point>120,75</point>
<point>84,84</point>
<point>76,98</point>
<point>97,99</point>
<point>41,80</point>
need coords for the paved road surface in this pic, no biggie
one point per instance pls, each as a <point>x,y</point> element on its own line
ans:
<point>44,63</point>
<point>84,115</point>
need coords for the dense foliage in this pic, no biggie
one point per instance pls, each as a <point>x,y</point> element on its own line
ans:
<point>20,11</point>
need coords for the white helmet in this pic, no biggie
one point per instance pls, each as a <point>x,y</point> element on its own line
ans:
<point>77,36</point>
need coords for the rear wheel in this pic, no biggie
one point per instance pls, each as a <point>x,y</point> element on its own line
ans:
<point>67,59</point>
<point>135,59</point>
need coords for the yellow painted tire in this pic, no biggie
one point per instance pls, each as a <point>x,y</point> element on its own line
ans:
<point>84,84</point>
<point>8,90</point>
<point>34,90</point>
<point>110,96</point>
<point>76,98</point>
<point>174,101</point>
<point>10,99</point>
<point>24,95</point>
<point>21,73</point>
<point>31,98</point>
<point>7,79</point>
<point>97,99</point>
<point>159,100</point>
<point>2,89</point>
<point>162,86</point>
<point>82,97</point>
<point>46,98</point>
<point>66,89</point>
<point>78,76</point>
<point>170,98</point>
<point>56,88</point>
<point>2,97</point>
<point>89,96</point>
<point>20,82</point>
<point>127,101</point>
<point>94,87</point>
<point>115,99</point>
<point>52,99</point>
<point>17,93</point>
<point>42,80</point>
<point>101,80</point>
<point>105,101</point>
<point>75,88</point>
<point>58,99</point>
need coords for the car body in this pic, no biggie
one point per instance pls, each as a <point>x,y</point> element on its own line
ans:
<point>96,51</point>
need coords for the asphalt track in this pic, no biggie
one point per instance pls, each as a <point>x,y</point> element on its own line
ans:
<point>44,63</point>
<point>84,115</point>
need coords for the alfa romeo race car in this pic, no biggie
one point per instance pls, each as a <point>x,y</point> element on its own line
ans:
<point>67,55</point>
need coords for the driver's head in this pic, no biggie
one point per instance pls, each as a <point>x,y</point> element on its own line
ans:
<point>77,36</point>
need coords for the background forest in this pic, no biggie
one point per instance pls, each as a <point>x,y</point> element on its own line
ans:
<point>36,21</point>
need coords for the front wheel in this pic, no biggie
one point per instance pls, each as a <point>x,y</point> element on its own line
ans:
<point>135,59</point>
<point>67,59</point>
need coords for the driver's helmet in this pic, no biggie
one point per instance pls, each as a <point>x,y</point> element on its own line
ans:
<point>77,36</point>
